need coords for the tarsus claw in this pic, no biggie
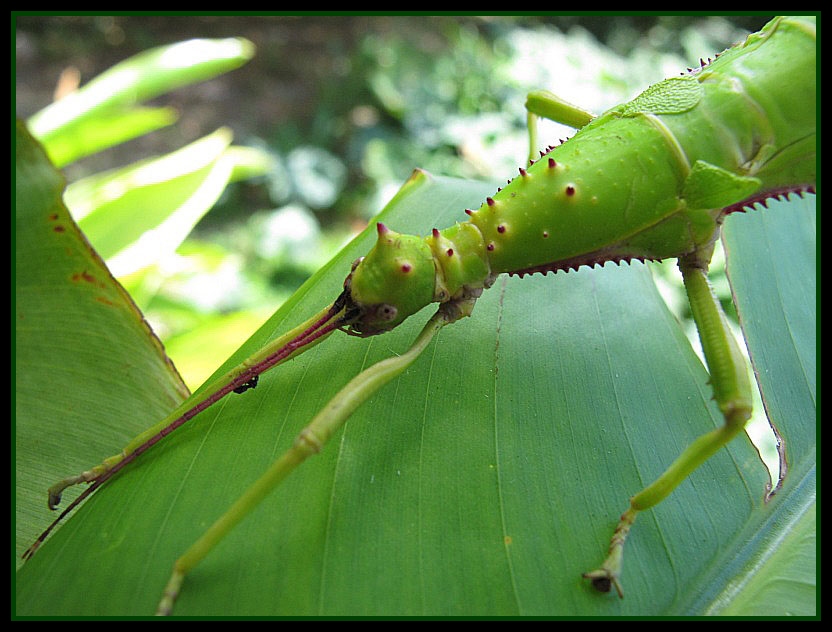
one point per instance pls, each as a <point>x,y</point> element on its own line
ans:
<point>603,580</point>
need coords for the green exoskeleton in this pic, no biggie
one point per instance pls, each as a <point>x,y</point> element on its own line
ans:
<point>648,180</point>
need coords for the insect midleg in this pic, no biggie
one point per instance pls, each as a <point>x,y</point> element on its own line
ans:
<point>732,392</point>
<point>542,103</point>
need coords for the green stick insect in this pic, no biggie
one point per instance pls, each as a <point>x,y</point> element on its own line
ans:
<point>648,180</point>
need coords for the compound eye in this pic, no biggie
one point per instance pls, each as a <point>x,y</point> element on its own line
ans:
<point>386,312</point>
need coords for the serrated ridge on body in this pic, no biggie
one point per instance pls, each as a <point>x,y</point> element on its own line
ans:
<point>590,260</point>
<point>762,198</point>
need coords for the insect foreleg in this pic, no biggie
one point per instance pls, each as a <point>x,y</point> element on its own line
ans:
<point>308,442</point>
<point>732,392</point>
<point>238,380</point>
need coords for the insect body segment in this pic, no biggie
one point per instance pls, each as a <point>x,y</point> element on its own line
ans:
<point>588,201</point>
<point>461,258</point>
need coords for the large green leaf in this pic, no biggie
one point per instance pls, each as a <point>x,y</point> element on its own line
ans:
<point>772,267</point>
<point>88,370</point>
<point>483,481</point>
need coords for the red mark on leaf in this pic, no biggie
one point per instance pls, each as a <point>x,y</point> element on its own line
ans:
<point>88,278</point>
